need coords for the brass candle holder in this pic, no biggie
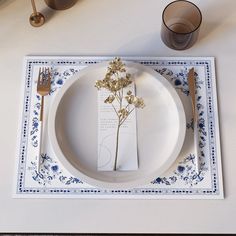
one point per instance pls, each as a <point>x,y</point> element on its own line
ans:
<point>36,18</point>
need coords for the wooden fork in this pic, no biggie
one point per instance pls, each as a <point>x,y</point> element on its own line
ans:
<point>43,89</point>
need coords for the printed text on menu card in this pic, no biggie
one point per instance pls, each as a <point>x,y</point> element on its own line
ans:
<point>107,127</point>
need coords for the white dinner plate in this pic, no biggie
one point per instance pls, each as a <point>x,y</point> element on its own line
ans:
<point>73,127</point>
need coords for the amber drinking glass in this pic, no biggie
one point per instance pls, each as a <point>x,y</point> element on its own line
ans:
<point>181,22</point>
<point>60,4</point>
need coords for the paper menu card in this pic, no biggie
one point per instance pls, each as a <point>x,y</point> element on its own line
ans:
<point>127,158</point>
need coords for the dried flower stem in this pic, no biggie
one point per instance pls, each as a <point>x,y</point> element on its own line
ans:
<point>117,146</point>
<point>120,98</point>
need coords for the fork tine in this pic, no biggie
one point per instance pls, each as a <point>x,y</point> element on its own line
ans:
<point>48,76</point>
<point>39,77</point>
<point>44,74</point>
<point>45,77</point>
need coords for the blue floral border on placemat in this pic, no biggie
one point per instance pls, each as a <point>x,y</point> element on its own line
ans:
<point>185,170</point>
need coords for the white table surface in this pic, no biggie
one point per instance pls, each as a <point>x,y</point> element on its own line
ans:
<point>123,28</point>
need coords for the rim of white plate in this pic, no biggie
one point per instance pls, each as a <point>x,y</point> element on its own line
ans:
<point>100,183</point>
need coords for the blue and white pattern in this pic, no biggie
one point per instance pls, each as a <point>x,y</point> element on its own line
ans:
<point>49,172</point>
<point>181,181</point>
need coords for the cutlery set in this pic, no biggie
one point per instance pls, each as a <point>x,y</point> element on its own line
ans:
<point>44,87</point>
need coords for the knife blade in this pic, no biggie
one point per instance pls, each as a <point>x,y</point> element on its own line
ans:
<point>192,90</point>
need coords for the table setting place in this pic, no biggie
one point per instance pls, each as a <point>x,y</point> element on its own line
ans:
<point>121,127</point>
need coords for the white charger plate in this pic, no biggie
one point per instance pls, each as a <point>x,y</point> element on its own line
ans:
<point>73,127</point>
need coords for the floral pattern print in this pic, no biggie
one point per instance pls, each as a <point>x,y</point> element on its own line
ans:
<point>50,172</point>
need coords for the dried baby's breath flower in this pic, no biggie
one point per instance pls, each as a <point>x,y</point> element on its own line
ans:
<point>116,65</point>
<point>130,98</point>
<point>123,113</point>
<point>129,92</point>
<point>99,84</point>
<point>109,99</point>
<point>138,102</point>
<point>115,80</point>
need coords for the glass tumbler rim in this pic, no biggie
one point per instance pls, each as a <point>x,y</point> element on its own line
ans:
<point>191,3</point>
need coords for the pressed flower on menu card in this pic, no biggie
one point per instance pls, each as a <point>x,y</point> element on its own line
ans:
<point>123,104</point>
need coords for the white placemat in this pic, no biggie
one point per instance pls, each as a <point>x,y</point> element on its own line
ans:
<point>181,181</point>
